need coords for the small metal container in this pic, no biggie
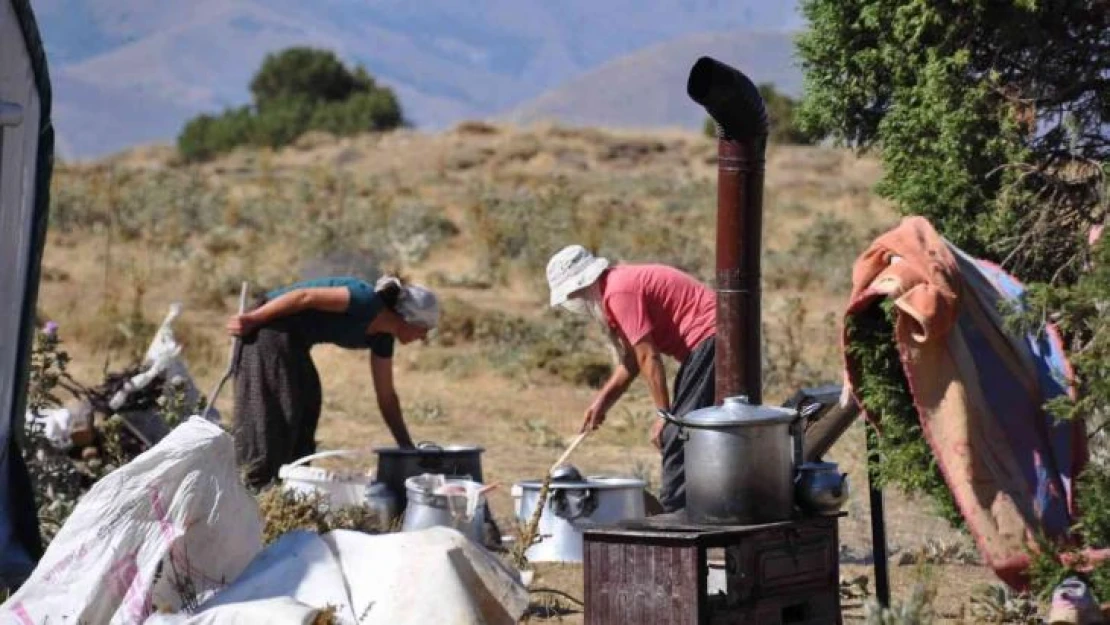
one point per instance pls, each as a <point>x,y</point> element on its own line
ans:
<point>820,487</point>
<point>571,507</point>
<point>427,509</point>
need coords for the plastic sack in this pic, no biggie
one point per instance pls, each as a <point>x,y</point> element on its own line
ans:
<point>56,424</point>
<point>435,575</point>
<point>163,357</point>
<point>165,531</point>
<point>279,611</point>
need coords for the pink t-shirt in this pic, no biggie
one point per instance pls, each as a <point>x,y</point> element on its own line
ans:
<point>673,308</point>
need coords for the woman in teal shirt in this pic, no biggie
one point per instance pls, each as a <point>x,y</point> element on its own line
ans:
<point>277,387</point>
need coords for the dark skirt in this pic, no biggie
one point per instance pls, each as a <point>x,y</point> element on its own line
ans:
<point>277,402</point>
<point>694,388</point>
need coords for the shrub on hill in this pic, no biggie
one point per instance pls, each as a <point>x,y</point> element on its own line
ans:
<point>296,90</point>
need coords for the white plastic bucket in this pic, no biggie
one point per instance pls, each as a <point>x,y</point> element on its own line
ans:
<point>339,490</point>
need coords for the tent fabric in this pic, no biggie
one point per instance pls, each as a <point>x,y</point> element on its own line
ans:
<point>19,534</point>
<point>979,390</point>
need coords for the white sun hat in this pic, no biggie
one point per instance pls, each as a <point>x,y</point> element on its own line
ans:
<point>570,269</point>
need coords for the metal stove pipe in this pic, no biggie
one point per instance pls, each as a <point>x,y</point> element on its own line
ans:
<point>734,103</point>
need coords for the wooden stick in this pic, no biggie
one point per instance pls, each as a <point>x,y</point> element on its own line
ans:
<point>230,357</point>
<point>566,454</point>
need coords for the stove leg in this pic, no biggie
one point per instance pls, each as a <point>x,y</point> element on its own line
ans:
<point>878,528</point>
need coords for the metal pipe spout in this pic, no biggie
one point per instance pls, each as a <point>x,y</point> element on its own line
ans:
<point>734,103</point>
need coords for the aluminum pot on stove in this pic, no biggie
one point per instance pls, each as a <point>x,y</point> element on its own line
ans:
<point>740,461</point>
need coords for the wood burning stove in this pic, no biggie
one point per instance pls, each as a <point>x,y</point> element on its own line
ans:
<point>656,571</point>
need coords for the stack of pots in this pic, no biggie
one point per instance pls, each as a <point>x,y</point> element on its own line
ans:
<point>397,464</point>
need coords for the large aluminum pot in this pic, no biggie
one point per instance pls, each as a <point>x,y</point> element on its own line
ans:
<point>572,506</point>
<point>739,462</point>
<point>395,464</point>
<point>426,508</point>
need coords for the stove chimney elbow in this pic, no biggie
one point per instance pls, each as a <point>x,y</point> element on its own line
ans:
<point>730,98</point>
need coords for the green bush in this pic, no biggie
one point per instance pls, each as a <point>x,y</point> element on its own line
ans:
<point>296,90</point>
<point>376,110</point>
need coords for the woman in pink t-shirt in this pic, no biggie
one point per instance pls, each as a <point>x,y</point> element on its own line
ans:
<point>647,311</point>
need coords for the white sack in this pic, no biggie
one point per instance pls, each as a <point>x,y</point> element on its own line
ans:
<point>299,565</point>
<point>435,575</point>
<point>279,611</point>
<point>175,516</point>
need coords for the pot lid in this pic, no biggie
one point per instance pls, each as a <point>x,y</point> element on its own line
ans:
<point>737,411</point>
<point>599,482</point>
<point>424,449</point>
<point>566,473</point>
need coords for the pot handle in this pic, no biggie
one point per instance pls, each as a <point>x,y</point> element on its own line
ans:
<point>328,454</point>
<point>680,422</point>
<point>574,506</point>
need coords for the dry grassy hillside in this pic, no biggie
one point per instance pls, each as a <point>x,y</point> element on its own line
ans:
<point>475,212</point>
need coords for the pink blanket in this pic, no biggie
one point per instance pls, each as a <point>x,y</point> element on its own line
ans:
<point>979,390</point>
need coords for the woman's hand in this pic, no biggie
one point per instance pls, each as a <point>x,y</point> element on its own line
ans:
<point>594,416</point>
<point>240,325</point>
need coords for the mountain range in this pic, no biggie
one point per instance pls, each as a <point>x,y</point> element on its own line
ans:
<point>127,72</point>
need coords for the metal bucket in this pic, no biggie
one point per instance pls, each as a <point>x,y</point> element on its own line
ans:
<point>427,508</point>
<point>338,488</point>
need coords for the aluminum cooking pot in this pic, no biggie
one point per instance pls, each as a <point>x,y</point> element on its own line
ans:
<point>396,464</point>
<point>739,462</point>
<point>573,505</point>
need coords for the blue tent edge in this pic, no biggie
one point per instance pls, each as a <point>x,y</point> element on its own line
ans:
<point>22,511</point>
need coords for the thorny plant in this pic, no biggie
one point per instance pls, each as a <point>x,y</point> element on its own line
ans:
<point>56,483</point>
<point>284,511</point>
<point>940,552</point>
<point>998,603</point>
<point>174,404</point>
<point>915,610</point>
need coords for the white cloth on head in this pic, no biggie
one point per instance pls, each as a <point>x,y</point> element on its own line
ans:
<point>571,269</point>
<point>416,304</point>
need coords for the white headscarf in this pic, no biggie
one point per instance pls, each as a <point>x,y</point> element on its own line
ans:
<point>416,304</point>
